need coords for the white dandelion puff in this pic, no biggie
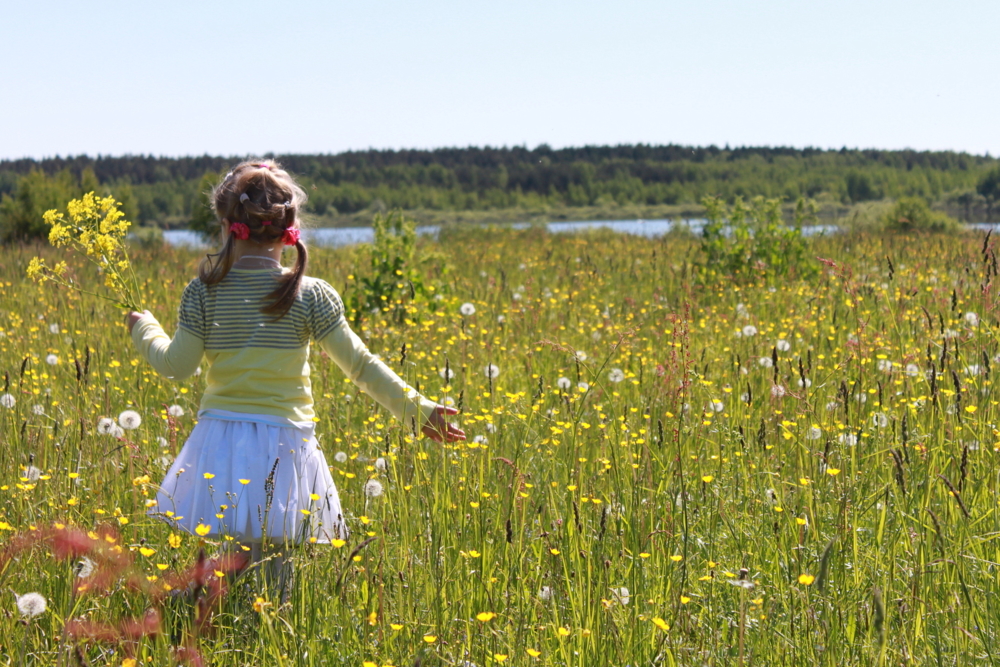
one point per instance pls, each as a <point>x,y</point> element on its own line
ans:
<point>492,371</point>
<point>806,383</point>
<point>31,604</point>
<point>340,457</point>
<point>104,425</point>
<point>814,433</point>
<point>777,391</point>
<point>912,370</point>
<point>373,488</point>
<point>129,420</point>
<point>545,593</point>
<point>117,431</point>
<point>467,310</point>
<point>717,405</point>
<point>38,409</point>
<point>972,319</point>
<point>52,360</point>
<point>848,439</point>
<point>749,330</point>
<point>501,319</point>
<point>175,411</point>
<point>380,464</point>
<point>54,328</point>
<point>765,362</point>
<point>8,401</point>
<point>580,355</point>
<point>31,473</point>
<point>480,440</point>
<point>783,345</point>
<point>85,567</point>
<point>446,373</point>
<point>564,383</point>
<point>622,594</point>
<point>973,369</point>
<point>885,366</point>
<point>583,387</point>
<point>491,427</point>
<point>616,375</point>
<point>595,336</point>
<point>950,333</point>
<point>880,420</point>
<point>742,583</point>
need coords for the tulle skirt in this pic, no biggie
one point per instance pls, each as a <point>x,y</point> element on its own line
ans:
<point>251,476</point>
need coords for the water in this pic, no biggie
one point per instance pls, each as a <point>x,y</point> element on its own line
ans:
<point>342,236</point>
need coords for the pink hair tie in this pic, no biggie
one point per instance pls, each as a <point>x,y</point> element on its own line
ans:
<point>239,230</point>
<point>265,222</point>
<point>291,236</point>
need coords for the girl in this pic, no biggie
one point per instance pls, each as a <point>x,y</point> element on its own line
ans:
<point>251,469</point>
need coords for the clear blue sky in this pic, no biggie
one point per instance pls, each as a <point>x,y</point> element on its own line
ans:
<point>238,78</point>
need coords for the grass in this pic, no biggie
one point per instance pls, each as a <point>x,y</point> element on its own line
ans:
<point>838,507</point>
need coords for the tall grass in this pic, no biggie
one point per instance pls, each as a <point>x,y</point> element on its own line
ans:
<point>669,470</point>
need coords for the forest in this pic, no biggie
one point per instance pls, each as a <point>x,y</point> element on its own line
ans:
<point>512,183</point>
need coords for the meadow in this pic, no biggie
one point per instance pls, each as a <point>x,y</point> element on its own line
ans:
<point>664,467</point>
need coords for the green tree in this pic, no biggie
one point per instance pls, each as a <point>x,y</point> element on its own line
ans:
<point>989,188</point>
<point>912,214</point>
<point>21,214</point>
<point>203,219</point>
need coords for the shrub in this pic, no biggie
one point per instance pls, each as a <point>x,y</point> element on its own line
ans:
<point>912,214</point>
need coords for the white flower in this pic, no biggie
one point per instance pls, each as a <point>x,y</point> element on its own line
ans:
<point>491,427</point>
<point>616,375</point>
<point>742,583</point>
<point>912,370</point>
<point>814,433</point>
<point>85,567</point>
<point>595,336</point>
<point>31,473</point>
<point>880,420</point>
<point>972,319</point>
<point>175,411</point>
<point>545,593</point>
<point>31,604</point>
<point>973,369</point>
<point>622,594</point>
<point>197,371</point>
<point>54,328</point>
<point>8,401</point>
<point>777,391</point>
<point>584,387</point>
<point>848,439</point>
<point>446,373</point>
<point>52,360</point>
<point>765,362</point>
<point>717,405</point>
<point>129,420</point>
<point>749,330</point>
<point>580,355</point>
<point>373,488</point>
<point>380,464</point>
<point>161,441</point>
<point>885,365</point>
<point>467,309</point>
<point>741,310</point>
<point>480,440</point>
<point>783,345</point>
<point>950,333</point>
<point>340,457</point>
<point>564,383</point>
<point>517,296</point>
<point>38,409</point>
<point>104,425</point>
<point>501,319</point>
<point>492,371</point>
<point>117,431</point>
<point>805,383</point>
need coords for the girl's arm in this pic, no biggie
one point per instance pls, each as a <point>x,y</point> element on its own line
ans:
<point>176,358</point>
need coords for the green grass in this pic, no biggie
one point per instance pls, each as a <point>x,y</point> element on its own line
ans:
<point>637,484</point>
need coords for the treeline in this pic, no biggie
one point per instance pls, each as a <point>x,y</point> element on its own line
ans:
<point>165,191</point>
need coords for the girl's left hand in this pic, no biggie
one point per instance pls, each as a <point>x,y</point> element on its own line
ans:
<point>438,429</point>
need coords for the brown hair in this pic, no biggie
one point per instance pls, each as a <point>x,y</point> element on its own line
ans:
<point>265,198</point>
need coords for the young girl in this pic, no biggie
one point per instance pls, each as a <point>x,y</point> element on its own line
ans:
<point>252,468</point>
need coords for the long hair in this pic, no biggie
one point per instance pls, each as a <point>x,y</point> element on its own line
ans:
<point>265,198</point>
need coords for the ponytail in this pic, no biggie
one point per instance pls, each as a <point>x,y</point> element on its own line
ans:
<point>283,297</point>
<point>215,267</point>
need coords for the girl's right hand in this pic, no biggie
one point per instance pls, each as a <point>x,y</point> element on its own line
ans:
<point>133,317</point>
<point>439,429</point>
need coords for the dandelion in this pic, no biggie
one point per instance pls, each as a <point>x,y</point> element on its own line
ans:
<point>622,594</point>
<point>492,371</point>
<point>583,387</point>
<point>765,362</point>
<point>8,401</point>
<point>777,391</point>
<point>783,345</point>
<point>848,439</point>
<point>52,360</point>
<point>912,370</point>
<point>480,440</point>
<point>814,433</point>
<point>32,474</point>
<point>85,568</point>
<point>446,373</point>
<point>54,329</point>
<point>616,375</point>
<point>380,464</point>
<point>717,405</point>
<point>580,356</point>
<point>742,310</point>
<point>564,383</point>
<point>973,369</point>
<point>950,333</point>
<point>805,383</point>
<point>129,420</point>
<point>104,425</point>
<point>175,411</point>
<point>884,366</point>
<point>972,319</point>
<point>31,604</point>
<point>545,593</point>
<point>373,488</point>
<point>748,331</point>
<point>879,420</point>
<point>340,457</point>
<point>467,310</point>
<point>38,409</point>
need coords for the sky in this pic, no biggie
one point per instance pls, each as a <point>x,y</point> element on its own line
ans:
<point>301,76</point>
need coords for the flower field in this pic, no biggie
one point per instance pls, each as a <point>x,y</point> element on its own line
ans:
<point>663,467</point>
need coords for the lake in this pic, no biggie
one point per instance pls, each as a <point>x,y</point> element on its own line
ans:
<point>343,236</point>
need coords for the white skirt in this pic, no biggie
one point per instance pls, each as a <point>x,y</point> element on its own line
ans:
<point>250,476</point>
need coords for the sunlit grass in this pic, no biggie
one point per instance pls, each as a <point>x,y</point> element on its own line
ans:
<point>642,483</point>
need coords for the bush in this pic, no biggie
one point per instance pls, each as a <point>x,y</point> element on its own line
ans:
<point>912,214</point>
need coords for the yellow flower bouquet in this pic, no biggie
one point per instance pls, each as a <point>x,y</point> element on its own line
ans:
<point>96,229</point>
